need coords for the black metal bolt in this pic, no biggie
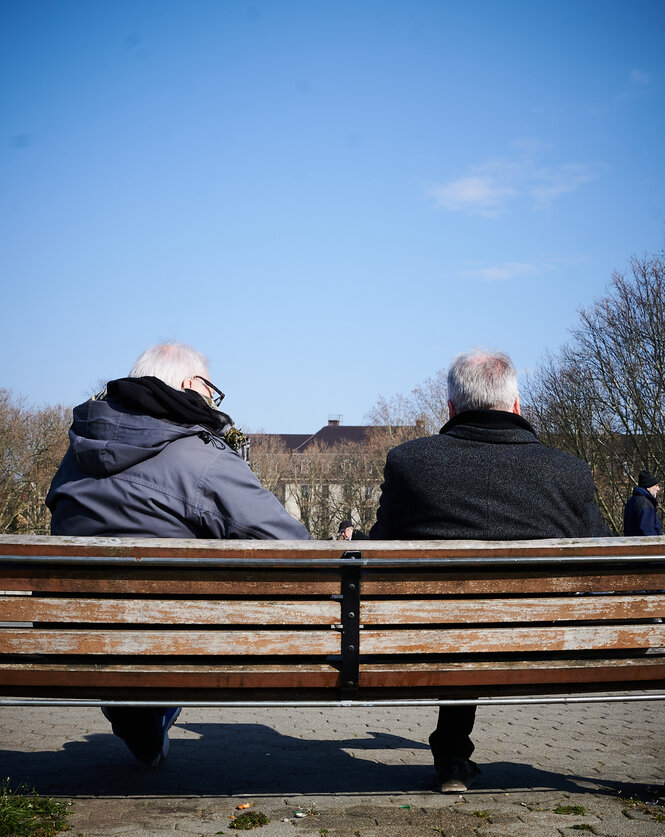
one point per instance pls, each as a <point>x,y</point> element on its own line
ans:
<point>351,615</point>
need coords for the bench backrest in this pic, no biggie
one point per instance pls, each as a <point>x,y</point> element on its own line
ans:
<point>209,620</point>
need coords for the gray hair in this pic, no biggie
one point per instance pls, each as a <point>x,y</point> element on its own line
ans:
<point>171,362</point>
<point>482,380</point>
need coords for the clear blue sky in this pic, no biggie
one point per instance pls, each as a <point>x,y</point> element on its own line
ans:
<point>330,198</point>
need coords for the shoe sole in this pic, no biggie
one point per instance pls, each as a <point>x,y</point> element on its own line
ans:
<point>453,786</point>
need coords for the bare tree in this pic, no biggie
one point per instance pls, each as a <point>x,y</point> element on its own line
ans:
<point>426,406</point>
<point>311,474</point>
<point>34,440</point>
<point>603,397</point>
<point>270,461</point>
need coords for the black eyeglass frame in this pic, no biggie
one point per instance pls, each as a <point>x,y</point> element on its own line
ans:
<point>220,395</point>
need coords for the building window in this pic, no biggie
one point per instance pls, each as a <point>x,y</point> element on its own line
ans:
<point>304,491</point>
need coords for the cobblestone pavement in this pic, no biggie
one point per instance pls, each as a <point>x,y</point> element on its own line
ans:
<point>546,770</point>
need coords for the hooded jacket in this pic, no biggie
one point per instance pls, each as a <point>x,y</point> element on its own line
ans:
<point>640,516</point>
<point>128,474</point>
<point>485,476</point>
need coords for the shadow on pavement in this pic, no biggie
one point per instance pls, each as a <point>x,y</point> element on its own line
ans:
<point>240,759</point>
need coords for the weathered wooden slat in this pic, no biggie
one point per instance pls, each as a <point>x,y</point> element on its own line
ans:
<point>438,675</point>
<point>514,673</point>
<point>572,608</point>
<point>432,584</point>
<point>559,548</point>
<point>157,582</point>
<point>218,676</point>
<point>169,612</point>
<point>167,642</point>
<point>493,640</point>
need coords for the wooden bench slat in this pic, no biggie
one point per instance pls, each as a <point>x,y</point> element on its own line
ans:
<point>224,583</point>
<point>182,583</point>
<point>572,608</point>
<point>174,612</point>
<point>439,676</point>
<point>210,676</point>
<point>454,584</point>
<point>511,673</point>
<point>492,640</point>
<point>167,642</point>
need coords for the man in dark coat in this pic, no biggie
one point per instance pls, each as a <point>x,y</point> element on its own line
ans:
<point>485,476</point>
<point>640,516</point>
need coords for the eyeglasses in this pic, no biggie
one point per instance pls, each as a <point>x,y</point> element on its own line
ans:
<point>217,400</point>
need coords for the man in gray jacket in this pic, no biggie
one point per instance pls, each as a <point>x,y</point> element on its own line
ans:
<point>152,456</point>
<point>485,476</point>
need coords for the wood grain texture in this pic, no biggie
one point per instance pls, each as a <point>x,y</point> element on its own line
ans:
<point>168,612</point>
<point>509,640</point>
<point>167,642</point>
<point>554,609</point>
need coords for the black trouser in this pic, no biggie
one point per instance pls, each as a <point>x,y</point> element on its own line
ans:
<point>141,728</point>
<point>451,738</point>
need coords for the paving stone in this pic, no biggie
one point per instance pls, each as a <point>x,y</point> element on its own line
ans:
<point>353,763</point>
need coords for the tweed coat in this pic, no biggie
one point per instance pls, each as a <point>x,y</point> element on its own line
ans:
<point>485,476</point>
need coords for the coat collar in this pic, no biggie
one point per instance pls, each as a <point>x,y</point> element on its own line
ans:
<point>484,420</point>
<point>638,491</point>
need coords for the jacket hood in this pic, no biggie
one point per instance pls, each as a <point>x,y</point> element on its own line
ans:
<point>106,438</point>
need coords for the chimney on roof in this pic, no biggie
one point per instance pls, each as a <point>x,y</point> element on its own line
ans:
<point>334,421</point>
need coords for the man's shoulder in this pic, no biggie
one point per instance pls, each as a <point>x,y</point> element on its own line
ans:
<point>639,500</point>
<point>422,443</point>
<point>562,457</point>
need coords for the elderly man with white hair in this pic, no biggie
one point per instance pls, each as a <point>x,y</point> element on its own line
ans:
<point>485,476</point>
<point>151,456</point>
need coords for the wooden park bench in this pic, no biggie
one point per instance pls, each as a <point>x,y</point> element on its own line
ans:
<point>199,622</point>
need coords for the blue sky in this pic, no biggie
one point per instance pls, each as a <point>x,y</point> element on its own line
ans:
<point>329,199</point>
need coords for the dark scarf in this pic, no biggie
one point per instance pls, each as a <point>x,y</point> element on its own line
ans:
<point>152,397</point>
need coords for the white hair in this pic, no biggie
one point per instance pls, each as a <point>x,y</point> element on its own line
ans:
<point>482,380</point>
<point>171,362</point>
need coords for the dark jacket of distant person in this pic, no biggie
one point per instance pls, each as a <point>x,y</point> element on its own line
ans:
<point>640,516</point>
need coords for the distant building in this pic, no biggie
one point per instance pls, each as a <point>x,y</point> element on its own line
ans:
<point>328,475</point>
<point>331,434</point>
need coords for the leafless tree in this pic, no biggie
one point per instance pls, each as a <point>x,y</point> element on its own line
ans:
<point>426,406</point>
<point>33,442</point>
<point>603,397</point>
<point>270,461</point>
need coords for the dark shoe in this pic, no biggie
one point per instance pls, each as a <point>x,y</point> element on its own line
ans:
<point>455,775</point>
<point>144,731</point>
